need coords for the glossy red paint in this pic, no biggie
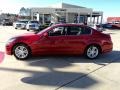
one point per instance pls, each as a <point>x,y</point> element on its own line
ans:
<point>43,44</point>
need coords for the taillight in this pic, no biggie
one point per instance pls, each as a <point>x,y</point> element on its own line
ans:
<point>107,36</point>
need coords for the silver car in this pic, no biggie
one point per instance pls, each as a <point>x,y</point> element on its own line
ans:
<point>32,25</point>
<point>20,24</point>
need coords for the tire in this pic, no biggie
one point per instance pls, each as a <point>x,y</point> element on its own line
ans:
<point>21,51</point>
<point>15,28</point>
<point>28,30</point>
<point>92,52</point>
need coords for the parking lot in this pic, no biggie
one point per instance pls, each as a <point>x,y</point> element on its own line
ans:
<point>59,73</point>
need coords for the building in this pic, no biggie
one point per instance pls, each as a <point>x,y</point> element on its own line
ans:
<point>113,20</point>
<point>66,13</point>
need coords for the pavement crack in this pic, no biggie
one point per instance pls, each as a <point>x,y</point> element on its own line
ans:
<point>78,78</point>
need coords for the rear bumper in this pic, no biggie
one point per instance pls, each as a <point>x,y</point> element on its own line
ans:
<point>107,47</point>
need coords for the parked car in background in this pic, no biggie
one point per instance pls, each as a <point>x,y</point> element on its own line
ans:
<point>33,25</point>
<point>20,24</point>
<point>61,39</point>
<point>116,25</point>
<point>6,22</point>
<point>107,25</point>
<point>97,27</point>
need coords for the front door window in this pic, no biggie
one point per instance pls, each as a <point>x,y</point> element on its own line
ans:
<point>58,31</point>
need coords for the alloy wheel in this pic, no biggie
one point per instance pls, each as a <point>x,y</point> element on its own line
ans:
<point>92,52</point>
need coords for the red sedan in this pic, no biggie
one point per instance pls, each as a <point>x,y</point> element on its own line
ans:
<point>61,39</point>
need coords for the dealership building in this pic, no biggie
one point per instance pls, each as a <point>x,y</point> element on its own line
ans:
<point>66,13</point>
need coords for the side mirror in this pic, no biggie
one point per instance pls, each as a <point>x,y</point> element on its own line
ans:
<point>45,34</point>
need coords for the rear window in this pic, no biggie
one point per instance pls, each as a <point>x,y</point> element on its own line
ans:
<point>86,30</point>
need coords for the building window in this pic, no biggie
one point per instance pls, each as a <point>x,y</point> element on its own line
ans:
<point>47,18</point>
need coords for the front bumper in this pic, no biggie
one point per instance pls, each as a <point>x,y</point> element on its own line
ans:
<point>8,49</point>
<point>20,26</point>
<point>33,28</point>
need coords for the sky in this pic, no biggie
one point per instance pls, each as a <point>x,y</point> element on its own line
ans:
<point>109,7</point>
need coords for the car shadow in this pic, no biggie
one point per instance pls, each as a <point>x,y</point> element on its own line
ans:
<point>60,79</point>
<point>53,77</point>
<point>66,79</point>
<point>113,56</point>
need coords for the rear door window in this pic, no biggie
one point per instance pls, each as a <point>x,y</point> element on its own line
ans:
<point>73,30</point>
<point>78,30</point>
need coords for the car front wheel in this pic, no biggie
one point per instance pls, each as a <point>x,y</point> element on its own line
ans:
<point>21,51</point>
<point>92,52</point>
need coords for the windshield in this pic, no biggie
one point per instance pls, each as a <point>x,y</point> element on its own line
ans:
<point>40,32</point>
<point>24,21</point>
<point>21,21</point>
<point>33,22</point>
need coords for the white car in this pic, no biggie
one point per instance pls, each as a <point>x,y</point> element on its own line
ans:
<point>32,25</point>
<point>97,27</point>
<point>20,24</point>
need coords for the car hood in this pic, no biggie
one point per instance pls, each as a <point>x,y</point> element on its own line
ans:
<point>27,36</point>
<point>32,23</point>
<point>19,23</point>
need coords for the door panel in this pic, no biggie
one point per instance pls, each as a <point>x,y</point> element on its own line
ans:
<point>76,39</point>
<point>54,43</point>
<point>76,44</point>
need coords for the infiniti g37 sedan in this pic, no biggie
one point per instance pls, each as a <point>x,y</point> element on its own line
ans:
<point>60,39</point>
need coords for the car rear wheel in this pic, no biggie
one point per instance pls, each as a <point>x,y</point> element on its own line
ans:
<point>92,52</point>
<point>21,52</point>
